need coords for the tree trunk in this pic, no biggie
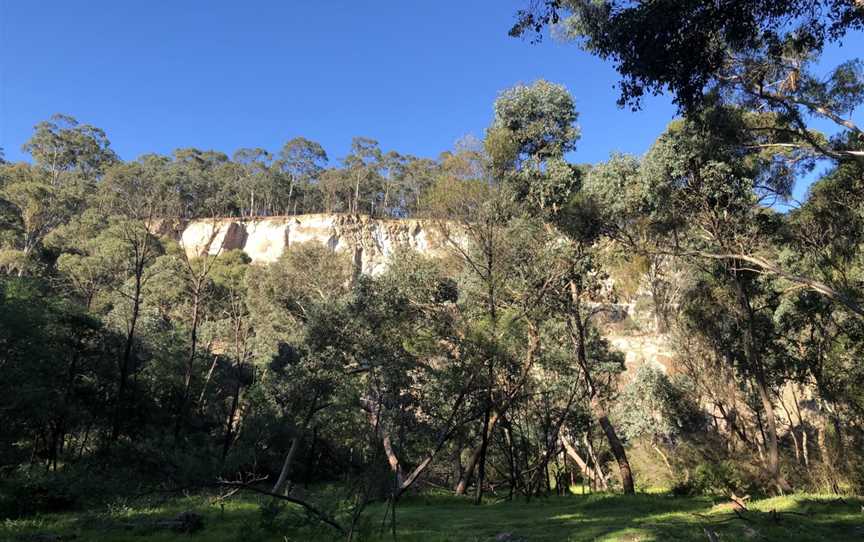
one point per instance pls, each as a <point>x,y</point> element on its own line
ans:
<point>190,361</point>
<point>473,459</point>
<point>804,447</point>
<point>662,455</point>
<point>392,459</point>
<point>587,471</point>
<point>578,338</point>
<point>232,413</point>
<point>598,468</point>
<point>770,423</point>
<point>201,404</point>
<point>618,452</point>
<point>127,356</point>
<point>792,432</point>
<point>825,453</point>
<point>484,444</point>
<point>282,481</point>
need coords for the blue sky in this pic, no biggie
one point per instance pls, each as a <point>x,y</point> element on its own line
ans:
<point>157,75</point>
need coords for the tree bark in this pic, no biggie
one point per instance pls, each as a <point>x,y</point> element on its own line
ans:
<point>772,451</point>
<point>127,356</point>
<point>232,413</point>
<point>282,481</point>
<point>577,334</point>
<point>617,451</point>
<point>190,361</point>
<point>474,458</point>
<point>598,468</point>
<point>587,471</point>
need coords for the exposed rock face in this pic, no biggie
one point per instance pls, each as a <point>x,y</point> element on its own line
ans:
<point>644,348</point>
<point>371,242</point>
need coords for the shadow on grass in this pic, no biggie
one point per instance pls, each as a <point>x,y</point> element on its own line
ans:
<point>438,518</point>
<point>641,517</point>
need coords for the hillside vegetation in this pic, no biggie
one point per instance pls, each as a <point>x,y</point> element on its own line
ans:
<point>133,365</point>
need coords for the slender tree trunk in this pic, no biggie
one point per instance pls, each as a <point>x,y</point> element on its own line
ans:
<point>804,448</point>
<point>232,413</point>
<point>190,361</point>
<point>597,406</point>
<point>511,458</point>
<point>598,468</point>
<point>770,423</point>
<point>488,429</point>
<point>201,402</point>
<point>473,459</point>
<point>663,456</point>
<point>586,470</point>
<point>59,434</point>
<point>772,449</point>
<point>826,456</point>
<point>841,445</point>
<point>792,430</point>
<point>285,473</point>
<point>392,458</point>
<point>127,356</point>
<point>281,482</point>
<point>617,451</point>
<point>484,444</point>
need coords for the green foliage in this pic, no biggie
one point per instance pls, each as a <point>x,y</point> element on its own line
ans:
<point>533,128</point>
<point>540,119</point>
<point>652,405</point>
<point>166,369</point>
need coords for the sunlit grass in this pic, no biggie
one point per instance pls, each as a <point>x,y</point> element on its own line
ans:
<point>644,517</point>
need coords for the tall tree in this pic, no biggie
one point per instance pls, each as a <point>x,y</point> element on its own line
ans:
<point>302,161</point>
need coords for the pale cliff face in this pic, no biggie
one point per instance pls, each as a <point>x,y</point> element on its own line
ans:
<point>371,242</point>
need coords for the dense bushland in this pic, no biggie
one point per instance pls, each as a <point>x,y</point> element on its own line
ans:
<point>131,365</point>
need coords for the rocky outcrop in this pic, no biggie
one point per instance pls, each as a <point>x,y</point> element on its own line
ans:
<point>644,349</point>
<point>370,241</point>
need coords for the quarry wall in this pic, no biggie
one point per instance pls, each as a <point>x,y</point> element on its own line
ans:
<point>371,242</point>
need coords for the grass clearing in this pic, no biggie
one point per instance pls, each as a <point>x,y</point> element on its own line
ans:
<point>439,518</point>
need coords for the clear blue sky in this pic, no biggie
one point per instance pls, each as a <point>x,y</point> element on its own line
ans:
<point>157,75</point>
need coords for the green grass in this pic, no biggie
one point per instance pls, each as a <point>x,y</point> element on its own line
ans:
<point>445,518</point>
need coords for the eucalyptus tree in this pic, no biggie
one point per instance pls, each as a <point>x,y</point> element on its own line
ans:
<point>302,161</point>
<point>417,176</point>
<point>706,198</point>
<point>64,148</point>
<point>396,352</point>
<point>363,166</point>
<point>819,336</point>
<point>283,298</point>
<point>232,327</point>
<point>696,45</point>
<point>472,216</point>
<point>659,409</point>
<point>134,199</point>
<point>206,183</point>
<point>533,128</point>
<point>30,211</point>
<point>760,56</point>
<point>393,167</point>
<point>336,189</point>
<point>581,299</point>
<point>255,178</point>
<point>54,353</point>
<point>538,388</point>
<point>69,159</point>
